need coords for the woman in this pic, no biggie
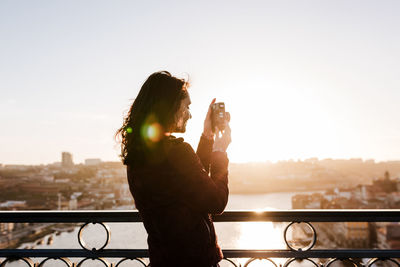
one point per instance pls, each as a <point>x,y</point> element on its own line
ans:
<point>175,189</point>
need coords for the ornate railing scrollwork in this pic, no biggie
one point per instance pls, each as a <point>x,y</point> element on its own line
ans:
<point>289,261</point>
<point>28,261</point>
<point>349,260</point>
<point>95,259</point>
<point>133,259</point>
<point>375,260</point>
<point>65,260</point>
<point>260,259</point>
<point>82,242</point>
<point>307,233</point>
<point>310,246</point>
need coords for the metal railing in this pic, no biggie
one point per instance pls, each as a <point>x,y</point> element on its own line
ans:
<point>308,253</point>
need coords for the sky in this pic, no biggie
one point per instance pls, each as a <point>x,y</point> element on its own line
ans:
<point>301,79</point>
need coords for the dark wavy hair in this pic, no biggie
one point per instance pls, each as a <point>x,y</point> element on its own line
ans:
<point>157,104</point>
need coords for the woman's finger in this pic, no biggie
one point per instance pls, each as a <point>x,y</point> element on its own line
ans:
<point>228,116</point>
<point>210,108</point>
<point>227,132</point>
<point>228,128</point>
<point>213,101</point>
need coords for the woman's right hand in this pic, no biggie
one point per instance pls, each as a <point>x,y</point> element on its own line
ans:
<point>222,142</point>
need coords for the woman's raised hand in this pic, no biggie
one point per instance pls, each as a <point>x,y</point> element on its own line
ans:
<point>222,138</point>
<point>222,142</point>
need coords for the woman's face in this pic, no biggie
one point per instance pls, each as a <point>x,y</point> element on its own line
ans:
<point>183,115</point>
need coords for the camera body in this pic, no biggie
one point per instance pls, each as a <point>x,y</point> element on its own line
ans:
<point>218,116</point>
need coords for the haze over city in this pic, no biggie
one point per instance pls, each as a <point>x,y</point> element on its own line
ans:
<point>301,79</point>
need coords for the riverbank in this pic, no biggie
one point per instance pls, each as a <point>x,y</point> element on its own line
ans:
<point>33,234</point>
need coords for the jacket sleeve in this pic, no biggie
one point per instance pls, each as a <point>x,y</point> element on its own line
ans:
<point>204,150</point>
<point>204,193</point>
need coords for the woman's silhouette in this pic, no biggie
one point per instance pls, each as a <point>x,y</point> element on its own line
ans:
<point>175,189</point>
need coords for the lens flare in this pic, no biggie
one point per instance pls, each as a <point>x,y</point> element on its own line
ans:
<point>152,132</point>
<point>129,130</point>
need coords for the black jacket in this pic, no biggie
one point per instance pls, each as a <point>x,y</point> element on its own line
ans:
<point>176,197</point>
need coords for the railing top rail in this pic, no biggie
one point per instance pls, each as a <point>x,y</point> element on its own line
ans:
<point>228,253</point>
<point>378,215</point>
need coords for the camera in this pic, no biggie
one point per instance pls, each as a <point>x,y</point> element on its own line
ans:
<point>218,116</point>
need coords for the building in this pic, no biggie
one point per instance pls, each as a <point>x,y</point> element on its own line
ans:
<point>356,234</point>
<point>6,227</point>
<point>66,160</point>
<point>92,162</point>
<point>302,201</point>
<point>388,235</point>
<point>393,235</point>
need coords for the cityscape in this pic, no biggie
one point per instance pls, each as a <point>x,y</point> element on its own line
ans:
<point>312,91</point>
<point>314,184</point>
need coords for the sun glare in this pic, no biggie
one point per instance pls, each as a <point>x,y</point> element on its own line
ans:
<point>260,235</point>
<point>279,124</point>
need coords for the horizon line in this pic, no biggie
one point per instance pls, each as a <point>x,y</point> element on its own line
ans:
<point>231,162</point>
